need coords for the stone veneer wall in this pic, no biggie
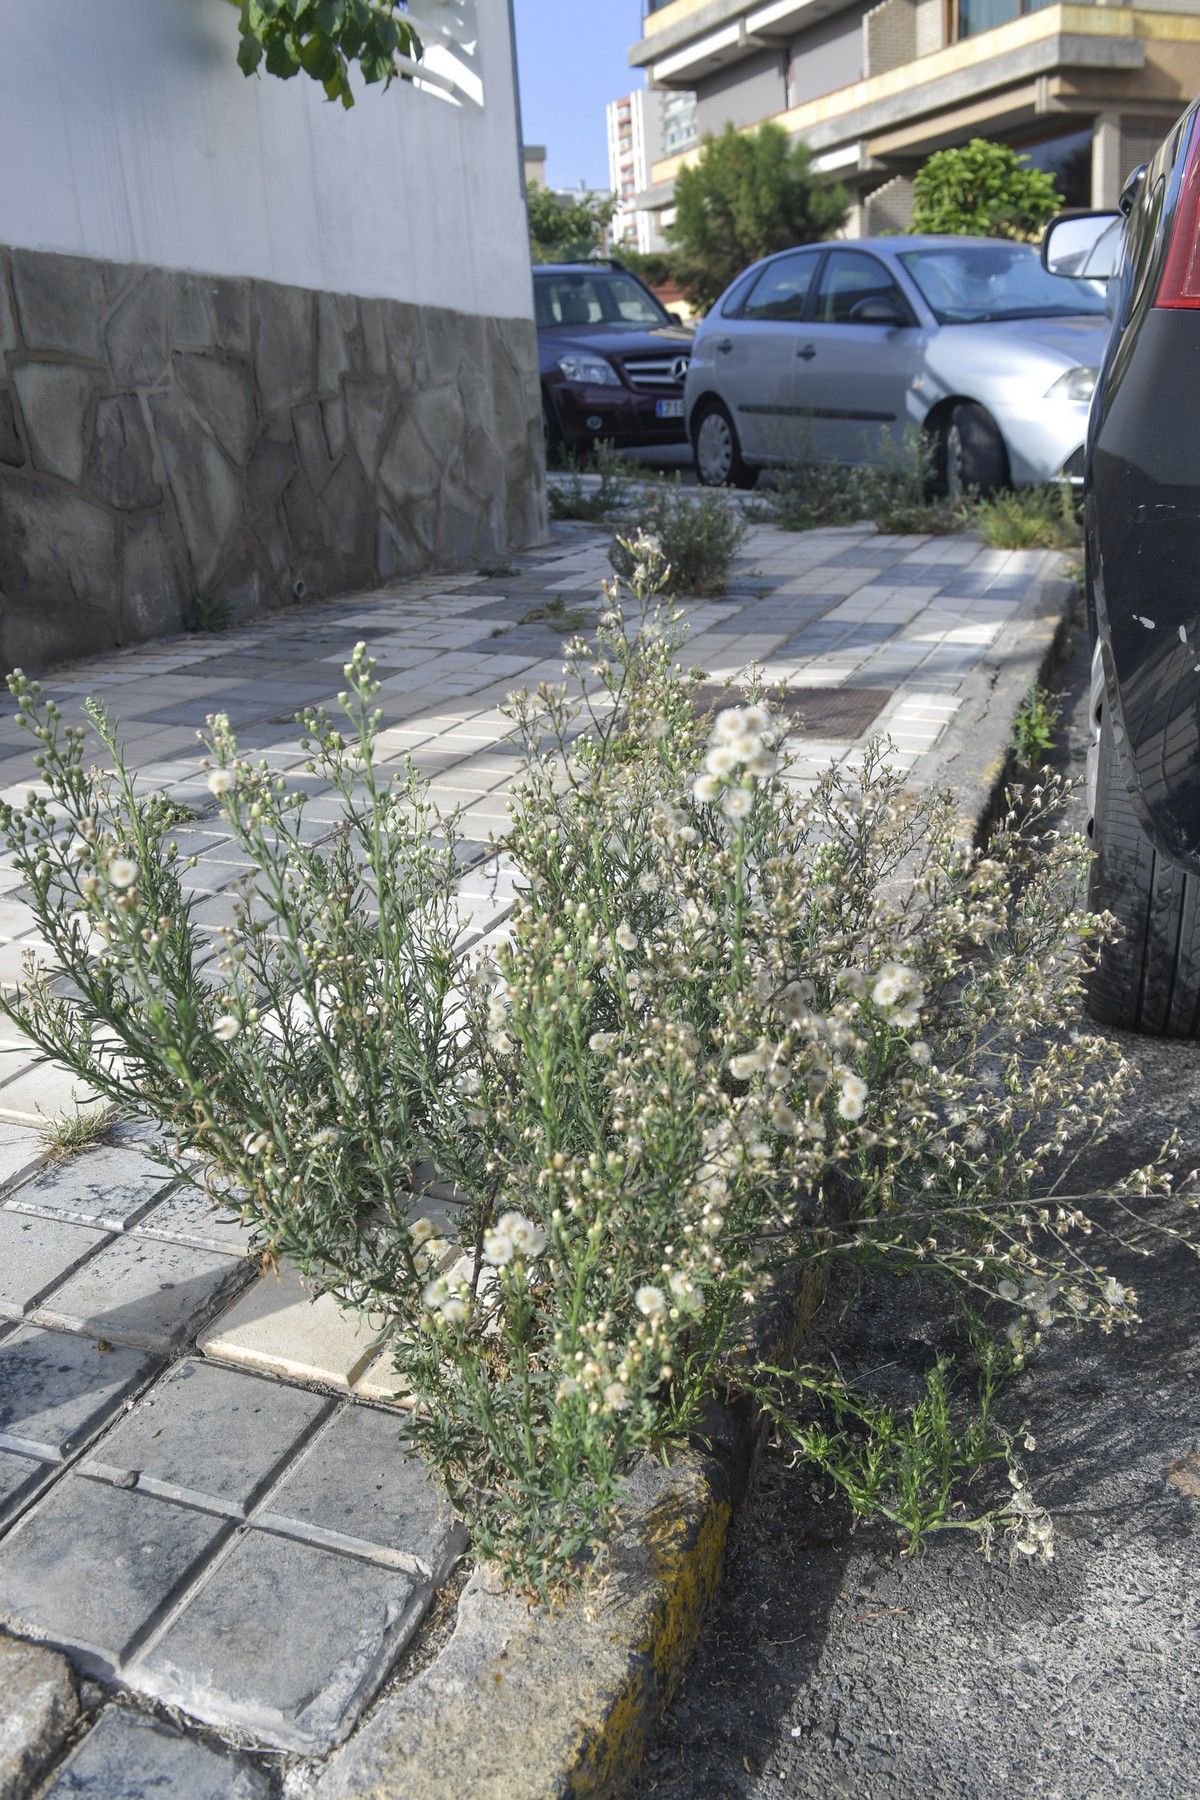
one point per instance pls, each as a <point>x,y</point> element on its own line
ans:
<point>167,438</point>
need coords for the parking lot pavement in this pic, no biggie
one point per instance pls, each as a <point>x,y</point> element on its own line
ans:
<point>177,1546</point>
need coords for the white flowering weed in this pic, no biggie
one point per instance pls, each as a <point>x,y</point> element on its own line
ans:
<point>731,1034</point>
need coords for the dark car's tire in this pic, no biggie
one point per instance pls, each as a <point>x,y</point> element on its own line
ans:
<point>971,453</point>
<point>551,430</point>
<point>1148,980</point>
<point>717,449</point>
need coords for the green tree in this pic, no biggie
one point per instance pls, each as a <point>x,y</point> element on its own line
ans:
<point>983,190</point>
<point>748,194</point>
<point>322,38</point>
<point>567,230</point>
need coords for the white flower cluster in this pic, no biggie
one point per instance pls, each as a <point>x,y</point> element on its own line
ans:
<point>741,751</point>
<point>898,990</point>
<point>513,1236</point>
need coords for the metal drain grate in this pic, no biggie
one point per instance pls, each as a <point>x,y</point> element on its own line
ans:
<point>841,712</point>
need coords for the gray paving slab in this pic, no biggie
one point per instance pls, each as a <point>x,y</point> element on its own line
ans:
<point>285,1640</point>
<point>20,1152</point>
<point>22,1478</point>
<point>126,1756</point>
<point>35,1254</point>
<point>109,1187</point>
<point>210,1435</point>
<point>190,1216</point>
<point>38,1706</point>
<point>144,1291</point>
<point>93,1568</point>
<point>356,1488</point>
<point>57,1389</point>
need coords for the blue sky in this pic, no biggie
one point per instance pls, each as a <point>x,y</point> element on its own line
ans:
<point>572,60</point>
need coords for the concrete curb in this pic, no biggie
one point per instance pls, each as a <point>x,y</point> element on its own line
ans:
<point>528,1704</point>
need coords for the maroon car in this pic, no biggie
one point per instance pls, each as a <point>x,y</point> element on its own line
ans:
<point>613,360</point>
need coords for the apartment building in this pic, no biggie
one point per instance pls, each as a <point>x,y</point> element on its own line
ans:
<point>644,128</point>
<point>874,86</point>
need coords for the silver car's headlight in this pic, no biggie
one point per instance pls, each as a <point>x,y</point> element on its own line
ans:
<point>1076,384</point>
<point>589,371</point>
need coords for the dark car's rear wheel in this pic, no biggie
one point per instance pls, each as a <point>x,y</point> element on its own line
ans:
<point>1148,979</point>
<point>971,453</point>
<point>717,450</point>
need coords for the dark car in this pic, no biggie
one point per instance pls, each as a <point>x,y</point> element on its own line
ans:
<point>613,359</point>
<point>1142,512</point>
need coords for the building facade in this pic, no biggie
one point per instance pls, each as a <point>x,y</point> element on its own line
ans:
<point>875,86</point>
<point>644,128</point>
<point>252,346</point>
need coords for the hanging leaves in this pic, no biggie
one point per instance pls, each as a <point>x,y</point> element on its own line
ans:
<point>323,38</point>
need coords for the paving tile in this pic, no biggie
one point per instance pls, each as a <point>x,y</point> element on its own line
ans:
<point>109,1187</point>
<point>21,1480</point>
<point>20,1152</point>
<point>381,1382</point>
<point>355,1488</point>
<point>43,1091</point>
<point>209,1435</point>
<point>277,1327</point>
<point>127,1756</point>
<point>284,1640</point>
<point>58,1390</point>
<point>36,1253</point>
<point>140,1290</point>
<point>190,1216</point>
<point>93,1567</point>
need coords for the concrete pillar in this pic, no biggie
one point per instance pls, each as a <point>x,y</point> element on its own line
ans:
<point>1107,173</point>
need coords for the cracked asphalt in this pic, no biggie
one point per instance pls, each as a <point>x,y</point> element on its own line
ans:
<point>833,1666</point>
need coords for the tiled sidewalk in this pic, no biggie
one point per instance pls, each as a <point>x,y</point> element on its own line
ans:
<point>201,1490</point>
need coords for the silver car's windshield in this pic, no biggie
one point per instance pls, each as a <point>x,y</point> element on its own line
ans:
<point>965,284</point>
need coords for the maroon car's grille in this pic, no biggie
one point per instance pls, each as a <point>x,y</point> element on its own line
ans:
<point>660,373</point>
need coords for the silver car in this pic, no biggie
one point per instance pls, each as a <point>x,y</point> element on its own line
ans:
<point>837,352</point>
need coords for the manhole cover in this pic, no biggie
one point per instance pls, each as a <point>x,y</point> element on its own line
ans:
<point>842,712</point>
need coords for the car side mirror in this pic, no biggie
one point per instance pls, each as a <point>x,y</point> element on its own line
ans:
<point>1084,245</point>
<point>877,309</point>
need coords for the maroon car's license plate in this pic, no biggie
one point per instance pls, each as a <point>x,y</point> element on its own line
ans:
<point>669,409</point>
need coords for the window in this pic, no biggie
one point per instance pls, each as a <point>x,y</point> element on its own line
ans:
<point>606,297</point>
<point>849,277</point>
<point>970,17</point>
<point>782,289</point>
<point>967,283</point>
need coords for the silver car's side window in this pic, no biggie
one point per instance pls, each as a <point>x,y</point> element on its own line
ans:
<point>782,289</point>
<point>849,278</point>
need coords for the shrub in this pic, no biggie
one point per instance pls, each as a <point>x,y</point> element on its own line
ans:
<point>697,536</point>
<point>1033,725</point>
<point>982,189</point>
<point>806,494</point>
<point>731,1034</point>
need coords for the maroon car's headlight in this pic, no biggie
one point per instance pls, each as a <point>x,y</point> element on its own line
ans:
<point>588,371</point>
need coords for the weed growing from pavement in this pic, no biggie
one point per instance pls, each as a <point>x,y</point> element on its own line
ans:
<point>1029,518</point>
<point>206,615</point>
<point>66,1133</point>
<point>558,616</point>
<point>1033,725</point>
<point>569,497</point>
<point>732,1035</point>
<point>697,535</point>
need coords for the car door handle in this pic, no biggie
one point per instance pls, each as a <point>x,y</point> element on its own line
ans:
<point>724,345</point>
<point>807,353</point>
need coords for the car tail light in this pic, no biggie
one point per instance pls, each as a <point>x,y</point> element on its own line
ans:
<point>1180,283</point>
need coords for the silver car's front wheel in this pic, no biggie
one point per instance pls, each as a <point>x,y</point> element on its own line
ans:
<point>716,450</point>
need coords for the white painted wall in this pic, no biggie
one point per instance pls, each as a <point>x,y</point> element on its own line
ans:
<point>128,132</point>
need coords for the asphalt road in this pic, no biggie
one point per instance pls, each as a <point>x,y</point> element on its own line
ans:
<point>833,1666</point>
